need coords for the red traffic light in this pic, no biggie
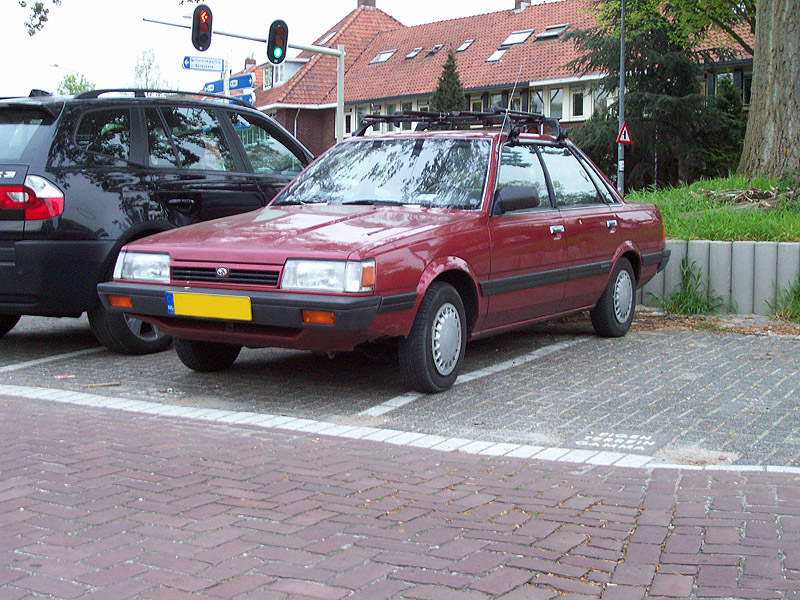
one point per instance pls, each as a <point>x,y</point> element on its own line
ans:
<point>201,27</point>
<point>277,41</point>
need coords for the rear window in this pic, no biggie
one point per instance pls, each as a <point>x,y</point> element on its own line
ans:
<point>19,129</point>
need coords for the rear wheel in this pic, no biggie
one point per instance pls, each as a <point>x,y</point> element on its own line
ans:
<point>613,314</point>
<point>126,335</point>
<point>7,323</point>
<point>206,357</point>
<point>431,355</point>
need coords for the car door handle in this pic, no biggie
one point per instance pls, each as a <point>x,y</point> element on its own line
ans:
<point>180,202</point>
<point>611,223</point>
<point>554,229</point>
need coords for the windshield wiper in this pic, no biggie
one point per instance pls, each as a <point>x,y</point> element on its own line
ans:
<point>367,202</point>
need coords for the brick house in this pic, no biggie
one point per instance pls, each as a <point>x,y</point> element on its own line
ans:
<point>513,57</point>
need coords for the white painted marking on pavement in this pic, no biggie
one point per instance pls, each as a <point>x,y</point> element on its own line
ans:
<point>48,359</point>
<point>405,399</point>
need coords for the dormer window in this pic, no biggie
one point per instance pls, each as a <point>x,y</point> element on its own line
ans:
<point>328,37</point>
<point>497,55</point>
<point>552,32</point>
<point>382,57</point>
<point>435,49</point>
<point>464,46</point>
<point>414,52</point>
<point>517,37</point>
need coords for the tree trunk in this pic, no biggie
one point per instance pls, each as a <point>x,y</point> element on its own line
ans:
<point>772,142</point>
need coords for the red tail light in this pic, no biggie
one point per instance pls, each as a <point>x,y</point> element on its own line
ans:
<point>39,198</point>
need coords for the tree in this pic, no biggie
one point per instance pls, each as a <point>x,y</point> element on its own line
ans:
<point>73,84</point>
<point>147,73</point>
<point>449,93</point>
<point>772,141</point>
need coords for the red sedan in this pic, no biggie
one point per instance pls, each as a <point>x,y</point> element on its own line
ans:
<point>430,237</point>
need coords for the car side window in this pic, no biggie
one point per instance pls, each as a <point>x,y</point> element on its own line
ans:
<point>267,155</point>
<point>106,132</point>
<point>572,185</point>
<point>520,166</point>
<point>162,154</point>
<point>198,139</point>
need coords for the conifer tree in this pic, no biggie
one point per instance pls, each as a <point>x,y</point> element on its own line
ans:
<point>449,93</point>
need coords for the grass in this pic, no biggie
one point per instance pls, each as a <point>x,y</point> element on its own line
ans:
<point>691,213</point>
<point>691,297</point>
<point>787,306</point>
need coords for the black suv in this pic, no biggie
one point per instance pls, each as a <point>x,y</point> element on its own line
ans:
<point>80,177</point>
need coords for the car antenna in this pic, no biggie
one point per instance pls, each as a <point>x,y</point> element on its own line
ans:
<point>513,132</point>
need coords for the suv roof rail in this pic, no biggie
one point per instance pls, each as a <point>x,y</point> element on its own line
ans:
<point>143,92</point>
<point>513,121</point>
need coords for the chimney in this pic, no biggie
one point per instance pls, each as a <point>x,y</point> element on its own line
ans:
<point>249,62</point>
<point>370,3</point>
<point>520,5</point>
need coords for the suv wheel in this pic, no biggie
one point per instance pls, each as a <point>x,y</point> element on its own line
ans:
<point>126,335</point>
<point>206,357</point>
<point>431,355</point>
<point>7,323</point>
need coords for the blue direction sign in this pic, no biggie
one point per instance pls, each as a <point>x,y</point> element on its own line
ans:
<point>251,98</point>
<point>201,63</point>
<point>241,82</point>
<point>214,87</point>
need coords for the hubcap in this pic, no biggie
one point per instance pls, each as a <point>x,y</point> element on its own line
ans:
<point>623,296</point>
<point>144,331</point>
<point>446,339</point>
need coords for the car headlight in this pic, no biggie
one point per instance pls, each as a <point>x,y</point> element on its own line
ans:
<point>142,266</point>
<point>328,276</point>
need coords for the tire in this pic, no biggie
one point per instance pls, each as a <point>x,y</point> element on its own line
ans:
<point>126,335</point>
<point>7,323</point>
<point>613,315</point>
<point>431,355</point>
<point>206,357</point>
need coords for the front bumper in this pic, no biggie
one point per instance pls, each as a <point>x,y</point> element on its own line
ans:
<point>269,309</point>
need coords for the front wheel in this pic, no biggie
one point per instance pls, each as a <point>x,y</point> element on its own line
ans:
<point>206,357</point>
<point>431,355</point>
<point>613,315</point>
<point>7,323</point>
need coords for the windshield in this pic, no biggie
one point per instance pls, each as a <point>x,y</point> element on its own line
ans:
<point>431,172</point>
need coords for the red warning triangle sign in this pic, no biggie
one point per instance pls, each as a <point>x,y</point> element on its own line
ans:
<point>624,136</point>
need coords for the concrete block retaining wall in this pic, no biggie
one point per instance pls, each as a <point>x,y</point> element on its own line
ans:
<point>746,275</point>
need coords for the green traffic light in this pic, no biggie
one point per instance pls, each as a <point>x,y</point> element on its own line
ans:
<point>277,53</point>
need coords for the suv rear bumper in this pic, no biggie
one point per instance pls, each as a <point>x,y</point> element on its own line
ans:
<point>55,278</point>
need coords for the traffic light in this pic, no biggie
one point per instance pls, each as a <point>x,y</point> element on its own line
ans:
<point>277,41</point>
<point>201,27</point>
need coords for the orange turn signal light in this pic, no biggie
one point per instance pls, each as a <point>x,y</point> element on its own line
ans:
<point>318,317</point>
<point>120,301</point>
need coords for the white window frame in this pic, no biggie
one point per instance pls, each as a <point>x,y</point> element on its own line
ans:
<point>517,37</point>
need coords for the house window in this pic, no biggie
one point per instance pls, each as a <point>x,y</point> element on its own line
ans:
<point>477,105</point>
<point>382,57</point>
<point>557,103</point>
<point>414,52</point>
<point>497,55</point>
<point>577,104</point>
<point>496,100</point>
<point>552,31</point>
<point>348,123</point>
<point>406,106</point>
<point>516,103</point>
<point>600,98</point>
<point>390,110</point>
<point>537,101</point>
<point>267,77</point>
<point>277,74</point>
<point>464,46</point>
<point>327,38</point>
<point>517,37</point>
<point>435,49</point>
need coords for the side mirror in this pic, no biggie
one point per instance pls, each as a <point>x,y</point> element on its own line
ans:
<point>511,198</point>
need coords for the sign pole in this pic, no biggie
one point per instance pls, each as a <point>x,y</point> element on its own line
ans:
<point>621,147</point>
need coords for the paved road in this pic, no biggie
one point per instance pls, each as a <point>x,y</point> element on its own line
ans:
<point>105,503</point>
<point>675,395</point>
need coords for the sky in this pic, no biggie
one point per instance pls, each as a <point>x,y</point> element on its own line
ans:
<point>102,39</point>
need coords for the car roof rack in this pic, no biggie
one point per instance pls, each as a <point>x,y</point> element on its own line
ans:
<point>512,121</point>
<point>143,92</point>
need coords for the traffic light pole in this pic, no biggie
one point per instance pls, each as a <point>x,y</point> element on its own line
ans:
<point>339,53</point>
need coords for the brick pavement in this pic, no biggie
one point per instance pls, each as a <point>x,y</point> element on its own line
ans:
<point>102,503</point>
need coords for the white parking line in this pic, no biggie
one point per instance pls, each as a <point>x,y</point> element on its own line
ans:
<point>398,401</point>
<point>47,359</point>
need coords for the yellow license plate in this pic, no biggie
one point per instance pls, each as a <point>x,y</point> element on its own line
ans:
<point>209,306</point>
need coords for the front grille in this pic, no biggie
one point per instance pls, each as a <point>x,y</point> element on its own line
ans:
<point>237,276</point>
